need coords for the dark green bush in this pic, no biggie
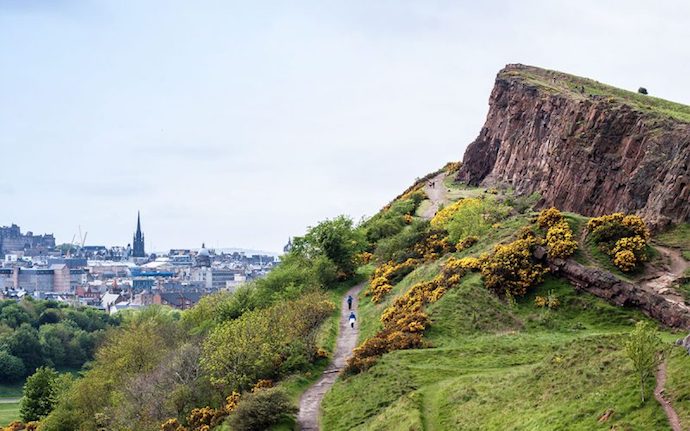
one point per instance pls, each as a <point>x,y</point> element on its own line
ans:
<point>11,368</point>
<point>399,247</point>
<point>259,410</point>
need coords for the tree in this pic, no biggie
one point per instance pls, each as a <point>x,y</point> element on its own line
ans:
<point>39,394</point>
<point>337,239</point>
<point>643,347</point>
<point>11,368</point>
<point>25,344</point>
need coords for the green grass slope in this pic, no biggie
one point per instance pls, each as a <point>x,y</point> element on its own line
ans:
<point>499,367</point>
<point>493,365</point>
<point>570,85</point>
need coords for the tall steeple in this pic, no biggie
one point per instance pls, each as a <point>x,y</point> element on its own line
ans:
<point>138,241</point>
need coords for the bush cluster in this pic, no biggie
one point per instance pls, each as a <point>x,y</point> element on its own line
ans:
<point>20,426</point>
<point>261,409</point>
<point>471,217</point>
<point>204,418</point>
<point>386,275</point>
<point>511,269</point>
<point>623,237</point>
<point>265,343</point>
<point>549,301</point>
<point>443,216</point>
<point>559,237</point>
<point>35,333</point>
<point>394,217</point>
<point>405,320</point>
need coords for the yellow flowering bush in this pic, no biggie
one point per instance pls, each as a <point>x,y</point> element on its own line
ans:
<point>467,242</point>
<point>261,384</point>
<point>386,275</point>
<point>434,245</point>
<point>446,214</point>
<point>549,217</point>
<point>405,320</point>
<point>510,270</point>
<point>623,237</point>
<point>559,240</point>
<point>364,257</point>
<point>625,260</point>
<point>549,301</point>
<point>559,237</point>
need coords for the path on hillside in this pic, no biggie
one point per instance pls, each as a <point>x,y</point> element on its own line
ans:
<point>9,400</point>
<point>310,402</point>
<point>671,414</point>
<point>661,278</point>
<point>436,194</point>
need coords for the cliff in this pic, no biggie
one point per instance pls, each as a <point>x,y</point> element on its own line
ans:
<point>584,146</point>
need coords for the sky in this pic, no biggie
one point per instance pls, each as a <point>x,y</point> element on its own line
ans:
<point>240,124</point>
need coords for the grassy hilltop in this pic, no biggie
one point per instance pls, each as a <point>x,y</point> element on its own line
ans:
<point>582,88</point>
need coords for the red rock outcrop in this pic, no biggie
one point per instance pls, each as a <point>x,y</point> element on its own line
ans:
<point>584,146</point>
<point>665,308</point>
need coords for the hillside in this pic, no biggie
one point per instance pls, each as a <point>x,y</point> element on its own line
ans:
<point>495,364</point>
<point>547,131</point>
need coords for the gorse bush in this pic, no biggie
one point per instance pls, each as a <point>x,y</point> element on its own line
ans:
<point>511,268</point>
<point>384,276</point>
<point>559,237</point>
<point>623,237</point>
<point>405,321</point>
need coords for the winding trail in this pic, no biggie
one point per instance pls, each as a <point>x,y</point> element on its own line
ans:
<point>671,414</point>
<point>661,279</point>
<point>310,402</point>
<point>436,194</point>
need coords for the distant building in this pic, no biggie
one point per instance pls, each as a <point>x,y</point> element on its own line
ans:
<point>179,300</point>
<point>288,246</point>
<point>203,257</point>
<point>12,239</point>
<point>138,241</point>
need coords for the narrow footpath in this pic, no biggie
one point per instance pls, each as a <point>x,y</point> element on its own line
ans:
<point>310,402</point>
<point>673,419</point>
<point>436,191</point>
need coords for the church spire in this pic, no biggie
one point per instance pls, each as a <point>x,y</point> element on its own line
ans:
<point>138,243</point>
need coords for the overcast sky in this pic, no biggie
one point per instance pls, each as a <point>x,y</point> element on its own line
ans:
<point>241,123</point>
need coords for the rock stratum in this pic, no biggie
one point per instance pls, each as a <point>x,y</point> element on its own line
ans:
<point>584,146</point>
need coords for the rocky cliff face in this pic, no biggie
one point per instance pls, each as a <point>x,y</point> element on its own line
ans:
<point>584,146</point>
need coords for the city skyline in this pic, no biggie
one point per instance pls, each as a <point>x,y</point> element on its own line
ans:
<point>242,124</point>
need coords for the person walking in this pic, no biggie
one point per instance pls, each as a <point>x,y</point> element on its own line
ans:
<point>349,302</point>
<point>353,318</point>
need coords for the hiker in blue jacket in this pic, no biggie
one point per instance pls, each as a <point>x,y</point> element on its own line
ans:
<point>349,302</point>
<point>352,319</point>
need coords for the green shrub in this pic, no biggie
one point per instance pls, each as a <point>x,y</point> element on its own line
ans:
<point>11,368</point>
<point>260,410</point>
<point>399,247</point>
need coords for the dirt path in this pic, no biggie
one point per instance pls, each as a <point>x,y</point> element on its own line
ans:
<point>671,414</point>
<point>310,402</point>
<point>436,193</point>
<point>660,279</point>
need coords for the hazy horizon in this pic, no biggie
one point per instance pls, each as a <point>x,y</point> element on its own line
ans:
<point>240,124</point>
